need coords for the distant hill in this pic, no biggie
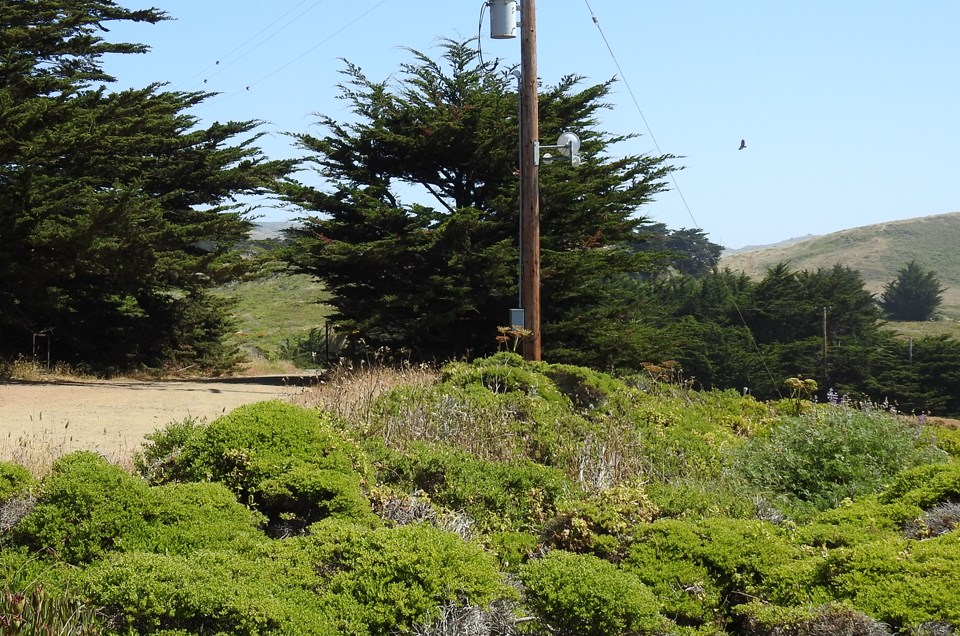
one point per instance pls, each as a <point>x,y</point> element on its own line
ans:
<point>876,251</point>
<point>263,230</point>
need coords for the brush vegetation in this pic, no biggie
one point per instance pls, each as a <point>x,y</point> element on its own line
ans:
<point>496,497</point>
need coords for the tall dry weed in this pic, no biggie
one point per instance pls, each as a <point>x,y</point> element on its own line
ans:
<point>350,390</point>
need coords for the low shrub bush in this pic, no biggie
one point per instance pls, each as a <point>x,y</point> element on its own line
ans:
<point>383,581</point>
<point>700,568</point>
<point>814,461</point>
<point>207,592</point>
<point>85,508</point>
<point>516,495</point>
<point>14,480</point>
<point>602,524</point>
<point>834,619</point>
<point>583,595</point>
<point>293,464</point>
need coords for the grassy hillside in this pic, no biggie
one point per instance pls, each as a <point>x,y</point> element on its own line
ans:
<point>276,308</point>
<point>876,251</point>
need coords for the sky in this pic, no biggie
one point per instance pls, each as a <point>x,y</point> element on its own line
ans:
<point>850,109</point>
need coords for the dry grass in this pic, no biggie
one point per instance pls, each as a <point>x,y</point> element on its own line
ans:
<point>350,390</point>
<point>37,452</point>
<point>27,370</point>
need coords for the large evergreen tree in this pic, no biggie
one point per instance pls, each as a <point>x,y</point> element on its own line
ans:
<point>913,295</point>
<point>438,276</point>
<point>117,211</point>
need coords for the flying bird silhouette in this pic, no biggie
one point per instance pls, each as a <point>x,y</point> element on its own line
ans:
<point>743,144</point>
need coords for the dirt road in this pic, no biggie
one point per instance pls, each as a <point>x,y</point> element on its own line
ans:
<point>41,421</point>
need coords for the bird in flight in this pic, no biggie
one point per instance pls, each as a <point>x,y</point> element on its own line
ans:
<point>743,144</point>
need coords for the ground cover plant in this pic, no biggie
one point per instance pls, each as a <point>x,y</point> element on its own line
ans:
<point>496,497</point>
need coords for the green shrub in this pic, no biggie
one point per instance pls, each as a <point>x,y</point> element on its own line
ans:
<point>856,522</point>
<point>947,439</point>
<point>587,389</point>
<point>925,486</point>
<point>383,581</point>
<point>184,518</point>
<point>503,373</point>
<point>583,595</point>
<point>88,507</point>
<point>601,524</point>
<point>14,480</point>
<point>698,568</point>
<point>694,499</point>
<point>518,495</point>
<point>157,461</point>
<point>207,592</point>
<point>84,509</point>
<point>835,619</point>
<point>901,582</point>
<point>814,461</point>
<point>687,437</point>
<point>512,548</point>
<point>293,464</point>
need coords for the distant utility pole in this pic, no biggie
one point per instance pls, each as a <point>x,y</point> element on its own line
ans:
<point>824,310</point>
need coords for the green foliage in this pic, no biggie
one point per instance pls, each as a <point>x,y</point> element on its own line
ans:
<point>602,524</point>
<point>383,581</point>
<point>14,480</point>
<point>206,592</point>
<point>88,508</point>
<point>512,548</point>
<point>925,486</point>
<point>185,518</point>
<point>513,495</point>
<point>157,460</point>
<point>914,294</point>
<point>852,523</point>
<point>437,279</point>
<point>900,582</point>
<point>582,595</point>
<point>694,498</point>
<point>117,211</point>
<point>84,509</point>
<point>699,568</point>
<point>814,461</point>
<point>835,619</point>
<point>37,613</point>
<point>292,463</point>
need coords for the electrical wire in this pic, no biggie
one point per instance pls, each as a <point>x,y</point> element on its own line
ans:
<point>295,59</point>
<point>483,8</point>
<point>217,64</point>
<point>676,186</point>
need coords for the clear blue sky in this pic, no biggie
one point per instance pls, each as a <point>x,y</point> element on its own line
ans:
<point>850,109</point>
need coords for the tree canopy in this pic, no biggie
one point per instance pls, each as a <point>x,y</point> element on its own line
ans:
<point>117,210</point>
<point>417,236</point>
<point>914,294</point>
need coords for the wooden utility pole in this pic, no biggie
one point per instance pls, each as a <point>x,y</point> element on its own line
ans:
<point>529,180</point>
<point>824,309</point>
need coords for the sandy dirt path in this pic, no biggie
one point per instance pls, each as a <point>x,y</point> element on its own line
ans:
<point>41,421</point>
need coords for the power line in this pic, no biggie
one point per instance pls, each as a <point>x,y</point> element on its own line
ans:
<point>676,186</point>
<point>247,87</point>
<point>218,66</point>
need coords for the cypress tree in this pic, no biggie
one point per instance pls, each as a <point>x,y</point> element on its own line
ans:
<point>117,210</point>
<point>438,274</point>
